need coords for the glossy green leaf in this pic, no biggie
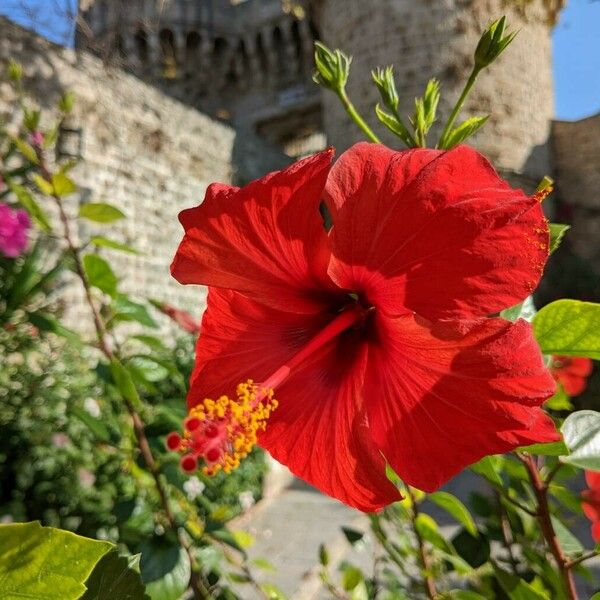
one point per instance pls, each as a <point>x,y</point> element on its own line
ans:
<point>581,434</point>
<point>429,531</point>
<point>115,577</point>
<point>569,327</point>
<point>453,506</point>
<point>100,212</point>
<point>30,204</point>
<point>103,242</point>
<point>465,130</point>
<point>62,184</point>
<point>551,449</point>
<point>100,274</point>
<point>557,233</point>
<point>165,570</point>
<point>43,563</point>
<point>560,401</point>
<point>569,543</point>
<point>487,468</point>
<point>515,587</point>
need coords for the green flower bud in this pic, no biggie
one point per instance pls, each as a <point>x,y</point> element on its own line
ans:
<point>492,43</point>
<point>332,67</point>
<point>384,80</point>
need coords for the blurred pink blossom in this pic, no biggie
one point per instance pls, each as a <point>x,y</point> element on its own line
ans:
<point>14,224</point>
<point>36,138</point>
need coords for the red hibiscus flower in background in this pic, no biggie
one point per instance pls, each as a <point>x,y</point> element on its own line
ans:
<point>183,318</point>
<point>591,502</point>
<point>376,335</point>
<point>571,372</point>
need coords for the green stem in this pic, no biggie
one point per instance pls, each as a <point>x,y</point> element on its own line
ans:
<point>351,110</point>
<point>458,106</point>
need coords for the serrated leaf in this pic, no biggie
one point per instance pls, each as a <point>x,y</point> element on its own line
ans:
<point>570,328</point>
<point>62,184</point>
<point>557,233</point>
<point>103,242</point>
<point>28,202</point>
<point>465,130</point>
<point>581,434</point>
<point>100,274</point>
<point>453,506</point>
<point>569,543</point>
<point>115,577</point>
<point>100,212</point>
<point>43,563</point>
<point>165,570</point>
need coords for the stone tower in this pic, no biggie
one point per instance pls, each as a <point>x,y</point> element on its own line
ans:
<point>436,38</point>
<point>246,62</point>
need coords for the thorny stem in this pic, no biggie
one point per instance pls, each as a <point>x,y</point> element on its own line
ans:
<point>540,489</point>
<point>197,585</point>
<point>424,556</point>
<point>355,116</point>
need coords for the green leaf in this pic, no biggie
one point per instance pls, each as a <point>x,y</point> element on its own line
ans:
<point>124,383</point>
<point>165,570</point>
<point>351,577</point>
<point>323,555</point>
<point>515,587</point>
<point>100,212</point>
<point>100,274</point>
<point>28,202</point>
<point>550,449</point>
<point>25,149</point>
<point>96,426</point>
<point>465,595</point>
<point>49,323</point>
<point>42,184</point>
<point>569,327</point>
<point>395,125</point>
<point>115,577</point>
<point>264,564</point>
<point>352,535</point>
<point>430,532</point>
<point>465,130</point>
<point>62,184</point>
<point>272,591</point>
<point>581,433</point>
<point>453,506</point>
<point>486,467</point>
<point>473,550</point>
<point>151,341</point>
<point>103,242</point>
<point>128,310</point>
<point>557,233</point>
<point>570,544</point>
<point>524,310</point>
<point>43,563</point>
<point>560,401</point>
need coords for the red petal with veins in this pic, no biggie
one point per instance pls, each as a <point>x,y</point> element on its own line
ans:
<point>319,429</point>
<point>443,395</point>
<point>436,232</point>
<point>265,239</point>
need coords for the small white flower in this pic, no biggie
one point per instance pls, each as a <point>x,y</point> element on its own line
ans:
<point>60,440</point>
<point>246,500</point>
<point>193,487</point>
<point>92,407</point>
<point>86,477</point>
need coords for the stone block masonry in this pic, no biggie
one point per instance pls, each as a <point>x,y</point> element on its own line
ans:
<point>142,151</point>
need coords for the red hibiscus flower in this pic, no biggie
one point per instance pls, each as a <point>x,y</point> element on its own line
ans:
<point>374,336</point>
<point>591,502</point>
<point>571,372</point>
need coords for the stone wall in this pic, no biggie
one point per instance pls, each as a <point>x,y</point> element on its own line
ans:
<point>142,151</point>
<point>437,38</point>
<point>576,153</point>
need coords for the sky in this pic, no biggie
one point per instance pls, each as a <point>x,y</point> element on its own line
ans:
<point>576,51</point>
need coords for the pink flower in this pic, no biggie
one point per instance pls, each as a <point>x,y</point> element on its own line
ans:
<point>36,138</point>
<point>13,230</point>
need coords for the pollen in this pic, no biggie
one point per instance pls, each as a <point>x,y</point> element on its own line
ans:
<point>220,433</point>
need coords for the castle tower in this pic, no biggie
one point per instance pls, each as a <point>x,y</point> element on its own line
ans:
<point>436,38</point>
<point>247,62</point>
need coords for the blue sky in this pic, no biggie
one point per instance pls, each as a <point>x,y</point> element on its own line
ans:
<point>576,46</point>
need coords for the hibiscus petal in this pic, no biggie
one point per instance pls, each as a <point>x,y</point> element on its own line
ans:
<point>265,239</point>
<point>319,428</point>
<point>444,395</point>
<point>438,232</point>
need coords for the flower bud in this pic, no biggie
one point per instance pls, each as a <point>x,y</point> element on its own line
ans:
<point>332,67</point>
<point>492,43</point>
<point>384,80</point>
